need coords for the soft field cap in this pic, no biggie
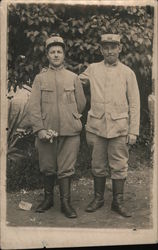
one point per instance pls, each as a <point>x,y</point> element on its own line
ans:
<point>113,38</point>
<point>55,40</point>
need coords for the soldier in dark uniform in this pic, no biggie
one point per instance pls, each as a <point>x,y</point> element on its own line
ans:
<point>55,108</point>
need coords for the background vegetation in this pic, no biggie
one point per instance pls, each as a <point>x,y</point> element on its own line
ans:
<point>81,26</point>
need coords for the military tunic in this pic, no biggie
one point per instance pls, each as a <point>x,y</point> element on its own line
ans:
<point>57,101</point>
<point>114,113</point>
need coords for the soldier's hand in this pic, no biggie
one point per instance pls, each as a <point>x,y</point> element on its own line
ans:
<point>85,81</point>
<point>42,135</point>
<point>131,139</point>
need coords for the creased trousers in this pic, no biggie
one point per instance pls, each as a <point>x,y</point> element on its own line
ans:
<point>109,155</point>
<point>58,157</point>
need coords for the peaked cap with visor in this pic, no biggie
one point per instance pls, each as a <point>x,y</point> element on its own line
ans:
<point>55,40</point>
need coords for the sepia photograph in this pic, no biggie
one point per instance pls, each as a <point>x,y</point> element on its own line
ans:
<point>78,123</point>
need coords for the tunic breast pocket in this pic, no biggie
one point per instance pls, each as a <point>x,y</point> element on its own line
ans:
<point>69,95</point>
<point>48,95</point>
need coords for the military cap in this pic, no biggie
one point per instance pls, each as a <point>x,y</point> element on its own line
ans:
<point>55,40</point>
<point>110,38</point>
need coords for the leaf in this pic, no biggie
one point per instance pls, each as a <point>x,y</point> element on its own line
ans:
<point>23,19</point>
<point>103,28</point>
<point>41,48</point>
<point>88,46</point>
<point>44,32</point>
<point>70,43</point>
<point>32,38</point>
<point>149,57</point>
<point>134,37</point>
<point>16,156</point>
<point>136,44</point>
<point>94,26</point>
<point>137,56</point>
<point>52,20</point>
<point>66,29</point>
<point>51,11</point>
<point>87,26</point>
<point>30,22</point>
<point>74,22</point>
<point>140,40</point>
<point>36,22</point>
<point>40,19</point>
<point>80,30</point>
<point>36,33</point>
<point>47,19</point>
<point>147,42</point>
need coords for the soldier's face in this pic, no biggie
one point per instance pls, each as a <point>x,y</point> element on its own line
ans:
<point>55,55</point>
<point>110,52</point>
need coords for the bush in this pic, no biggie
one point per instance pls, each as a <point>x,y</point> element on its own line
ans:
<point>22,163</point>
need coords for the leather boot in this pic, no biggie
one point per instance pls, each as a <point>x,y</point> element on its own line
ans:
<point>65,198</point>
<point>118,202</point>
<point>98,201</point>
<point>49,182</point>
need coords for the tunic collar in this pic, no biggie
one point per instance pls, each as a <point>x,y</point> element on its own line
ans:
<point>56,68</point>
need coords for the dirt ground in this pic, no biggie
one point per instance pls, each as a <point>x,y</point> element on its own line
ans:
<point>137,199</point>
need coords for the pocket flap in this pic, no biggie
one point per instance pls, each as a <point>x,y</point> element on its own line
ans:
<point>97,115</point>
<point>77,115</point>
<point>116,116</point>
<point>69,88</point>
<point>47,88</point>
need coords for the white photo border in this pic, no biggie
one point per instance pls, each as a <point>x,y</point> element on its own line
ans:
<point>37,237</point>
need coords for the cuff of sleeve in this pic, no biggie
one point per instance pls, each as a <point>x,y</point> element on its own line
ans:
<point>133,132</point>
<point>36,130</point>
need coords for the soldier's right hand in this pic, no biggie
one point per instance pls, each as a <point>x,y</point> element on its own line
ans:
<point>42,135</point>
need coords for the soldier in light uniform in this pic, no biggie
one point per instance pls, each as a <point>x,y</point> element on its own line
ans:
<point>113,121</point>
<point>56,103</point>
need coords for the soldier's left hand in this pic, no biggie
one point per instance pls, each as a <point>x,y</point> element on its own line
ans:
<point>131,139</point>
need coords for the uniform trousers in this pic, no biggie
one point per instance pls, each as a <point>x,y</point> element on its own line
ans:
<point>109,155</point>
<point>58,157</point>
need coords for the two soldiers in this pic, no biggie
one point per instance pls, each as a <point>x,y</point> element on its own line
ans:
<point>56,104</point>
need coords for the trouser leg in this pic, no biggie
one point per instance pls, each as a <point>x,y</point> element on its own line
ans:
<point>65,197</point>
<point>68,148</point>
<point>48,202</point>
<point>118,157</point>
<point>47,153</point>
<point>99,170</point>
